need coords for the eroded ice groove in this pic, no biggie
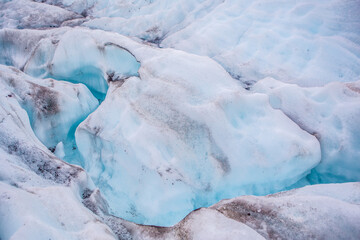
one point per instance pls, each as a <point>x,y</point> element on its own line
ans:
<point>332,114</point>
<point>40,195</point>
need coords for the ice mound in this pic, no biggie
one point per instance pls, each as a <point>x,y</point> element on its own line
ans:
<point>53,107</point>
<point>184,134</point>
<point>332,114</point>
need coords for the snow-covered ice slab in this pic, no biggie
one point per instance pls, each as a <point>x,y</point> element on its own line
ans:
<point>332,114</point>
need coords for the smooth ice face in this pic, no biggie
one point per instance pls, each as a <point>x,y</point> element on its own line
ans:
<point>54,107</point>
<point>184,135</point>
<point>330,113</point>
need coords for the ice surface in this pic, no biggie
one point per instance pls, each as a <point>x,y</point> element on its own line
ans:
<point>176,131</point>
<point>301,42</point>
<point>304,42</point>
<point>331,113</point>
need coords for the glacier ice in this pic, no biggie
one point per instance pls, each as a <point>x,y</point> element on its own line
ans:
<point>160,124</point>
<point>292,41</point>
<point>298,42</point>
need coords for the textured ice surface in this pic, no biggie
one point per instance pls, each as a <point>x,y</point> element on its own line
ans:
<point>294,41</point>
<point>301,42</point>
<point>176,131</point>
<point>332,114</point>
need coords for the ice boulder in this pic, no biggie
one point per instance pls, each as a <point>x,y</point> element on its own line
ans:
<point>184,135</point>
<point>332,114</point>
